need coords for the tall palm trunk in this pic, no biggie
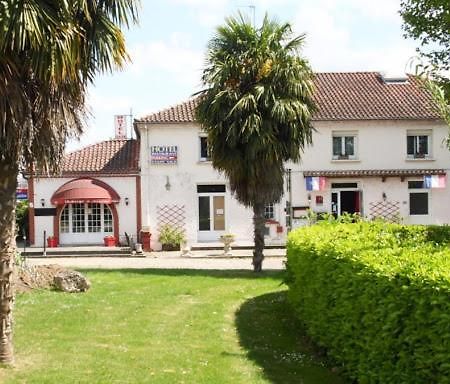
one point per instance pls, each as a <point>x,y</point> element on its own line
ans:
<point>259,227</point>
<point>8,184</point>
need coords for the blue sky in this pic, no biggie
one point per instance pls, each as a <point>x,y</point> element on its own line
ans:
<point>168,48</point>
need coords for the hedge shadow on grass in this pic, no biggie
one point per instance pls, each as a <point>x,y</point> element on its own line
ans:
<point>275,340</point>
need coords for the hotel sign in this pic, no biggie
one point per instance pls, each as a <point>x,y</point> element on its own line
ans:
<point>164,154</point>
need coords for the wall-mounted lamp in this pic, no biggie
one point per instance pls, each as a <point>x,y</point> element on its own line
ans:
<point>43,202</point>
<point>384,196</point>
<point>309,198</point>
<point>167,184</point>
<point>127,201</point>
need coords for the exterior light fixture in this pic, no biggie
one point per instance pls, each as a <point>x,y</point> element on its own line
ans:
<point>43,202</point>
<point>384,196</point>
<point>167,184</point>
<point>309,198</point>
<point>127,201</point>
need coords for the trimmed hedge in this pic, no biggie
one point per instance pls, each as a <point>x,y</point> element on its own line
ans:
<point>376,296</point>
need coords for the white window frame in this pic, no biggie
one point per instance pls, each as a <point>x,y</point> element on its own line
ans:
<point>418,190</point>
<point>416,134</point>
<point>342,135</point>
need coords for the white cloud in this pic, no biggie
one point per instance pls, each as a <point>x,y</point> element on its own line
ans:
<point>208,13</point>
<point>330,43</point>
<point>173,57</point>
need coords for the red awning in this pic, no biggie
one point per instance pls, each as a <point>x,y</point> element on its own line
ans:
<point>85,191</point>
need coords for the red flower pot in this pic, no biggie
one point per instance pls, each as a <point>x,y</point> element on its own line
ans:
<point>52,242</point>
<point>110,241</point>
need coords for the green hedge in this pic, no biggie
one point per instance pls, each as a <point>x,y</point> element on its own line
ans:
<point>376,296</point>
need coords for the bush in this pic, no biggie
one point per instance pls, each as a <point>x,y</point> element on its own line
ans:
<point>171,237</point>
<point>22,219</point>
<point>376,296</point>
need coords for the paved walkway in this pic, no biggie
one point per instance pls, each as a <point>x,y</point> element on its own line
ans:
<point>241,259</point>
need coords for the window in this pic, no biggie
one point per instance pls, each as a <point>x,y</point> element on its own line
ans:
<point>94,217</point>
<point>204,150</point>
<point>418,198</point>
<point>107,219</point>
<point>344,146</point>
<point>269,211</point>
<point>78,225</point>
<point>418,144</point>
<point>64,226</point>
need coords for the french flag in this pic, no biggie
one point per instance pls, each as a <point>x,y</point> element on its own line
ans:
<point>315,183</point>
<point>434,181</point>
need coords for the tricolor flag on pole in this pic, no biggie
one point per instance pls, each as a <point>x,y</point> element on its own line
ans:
<point>315,183</point>
<point>434,181</point>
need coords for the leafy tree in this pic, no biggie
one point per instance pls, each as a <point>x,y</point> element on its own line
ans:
<point>256,108</point>
<point>50,51</point>
<point>429,22</point>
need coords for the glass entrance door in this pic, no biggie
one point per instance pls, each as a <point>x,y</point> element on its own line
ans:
<point>85,223</point>
<point>211,216</point>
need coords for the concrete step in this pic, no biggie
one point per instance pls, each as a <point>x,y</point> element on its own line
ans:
<point>78,251</point>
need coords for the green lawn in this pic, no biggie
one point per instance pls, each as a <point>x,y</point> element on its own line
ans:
<point>160,326</point>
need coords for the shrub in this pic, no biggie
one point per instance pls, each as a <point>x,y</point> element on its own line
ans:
<point>377,296</point>
<point>171,237</point>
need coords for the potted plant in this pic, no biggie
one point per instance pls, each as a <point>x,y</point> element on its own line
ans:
<point>171,237</point>
<point>227,239</point>
<point>52,241</point>
<point>110,241</point>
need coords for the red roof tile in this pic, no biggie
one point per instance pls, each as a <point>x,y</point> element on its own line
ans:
<point>107,157</point>
<point>342,96</point>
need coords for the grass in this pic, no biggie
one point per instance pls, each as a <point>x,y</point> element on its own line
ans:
<point>161,326</point>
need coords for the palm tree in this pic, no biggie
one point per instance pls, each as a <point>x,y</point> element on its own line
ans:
<point>50,51</point>
<point>256,109</point>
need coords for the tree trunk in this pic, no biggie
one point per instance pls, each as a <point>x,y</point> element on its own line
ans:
<point>8,184</point>
<point>259,227</point>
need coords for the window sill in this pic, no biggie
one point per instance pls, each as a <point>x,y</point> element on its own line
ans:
<point>345,160</point>
<point>204,162</point>
<point>419,159</point>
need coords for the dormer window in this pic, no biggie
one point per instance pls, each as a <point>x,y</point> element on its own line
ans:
<point>418,144</point>
<point>344,145</point>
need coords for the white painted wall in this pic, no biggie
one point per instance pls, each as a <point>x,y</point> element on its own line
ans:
<point>380,145</point>
<point>44,188</point>
<point>184,178</point>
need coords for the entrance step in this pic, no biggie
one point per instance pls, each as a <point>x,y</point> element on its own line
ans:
<point>78,252</point>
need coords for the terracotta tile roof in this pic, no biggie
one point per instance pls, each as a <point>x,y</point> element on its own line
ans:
<point>366,96</point>
<point>107,157</point>
<point>341,96</point>
<point>375,172</point>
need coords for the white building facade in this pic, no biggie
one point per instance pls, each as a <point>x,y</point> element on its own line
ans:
<point>376,141</point>
<point>97,195</point>
<point>379,149</point>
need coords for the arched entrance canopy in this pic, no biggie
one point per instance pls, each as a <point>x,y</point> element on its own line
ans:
<point>85,191</point>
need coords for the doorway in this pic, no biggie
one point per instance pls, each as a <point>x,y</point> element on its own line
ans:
<point>211,212</point>
<point>345,198</point>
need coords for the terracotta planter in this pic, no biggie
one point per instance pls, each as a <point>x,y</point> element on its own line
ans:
<point>52,242</point>
<point>109,241</point>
